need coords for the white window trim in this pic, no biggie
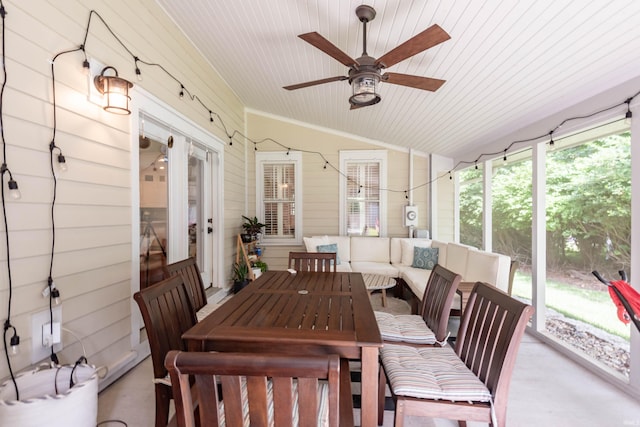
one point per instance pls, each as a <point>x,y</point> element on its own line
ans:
<point>294,157</point>
<point>363,156</point>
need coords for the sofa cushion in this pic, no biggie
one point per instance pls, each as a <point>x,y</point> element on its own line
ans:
<point>425,258</point>
<point>431,373</point>
<point>481,267</point>
<point>370,249</point>
<point>402,249</point>
<point>442,251</point>
<point>457,258</point>
<point>374,268</point>
<point>330,248</point>
<point>312,243</point>
<point>343,242</point>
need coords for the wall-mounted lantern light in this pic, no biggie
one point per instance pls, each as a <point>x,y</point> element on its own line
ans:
<point>115,91</point>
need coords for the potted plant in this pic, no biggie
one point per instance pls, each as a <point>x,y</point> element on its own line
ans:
<point>261,265</point>
<point>252,226</point>
<point>240,276</point>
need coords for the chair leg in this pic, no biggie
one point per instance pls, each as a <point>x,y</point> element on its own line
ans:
<point>399,422</point>
<point>384,298</point>
<point>163,396</point>
<point>382,382</point>
<point>346,396</point>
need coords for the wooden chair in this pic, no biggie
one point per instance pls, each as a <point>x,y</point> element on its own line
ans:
<point>477,372</point>
<point>313,261</point>
<point>167,313</point>
<point>249,383</point>
<point>188,269</point>
<point>429,327</point>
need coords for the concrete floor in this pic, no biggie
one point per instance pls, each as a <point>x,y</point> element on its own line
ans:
<point>547,389</point>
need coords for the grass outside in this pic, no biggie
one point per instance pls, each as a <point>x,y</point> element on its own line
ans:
<point>589,306</point>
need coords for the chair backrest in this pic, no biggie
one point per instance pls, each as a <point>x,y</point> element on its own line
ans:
<point>167,313</point>
<point>490,333</point>
<point>268,378</point>
<point>313,261</point>
<point>188,269</point>
<point>437,300</point>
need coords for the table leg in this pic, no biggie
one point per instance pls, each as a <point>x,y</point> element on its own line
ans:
<point>384,297</point>
<point>369,387</point>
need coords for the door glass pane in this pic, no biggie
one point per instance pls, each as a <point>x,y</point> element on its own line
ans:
<point>154,167</point>
<point>196,224</point>
<point>588,228</point>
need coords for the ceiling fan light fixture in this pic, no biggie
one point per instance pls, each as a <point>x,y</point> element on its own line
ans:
<point>365,90</point>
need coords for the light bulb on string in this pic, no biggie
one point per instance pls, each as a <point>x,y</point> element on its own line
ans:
<point>210,116</point>
<point>138,72</point>
<point>181,91</point>
<point>629,114</point>
<point>14,192</point>
<point>505,155</point>
<point>62,163</point>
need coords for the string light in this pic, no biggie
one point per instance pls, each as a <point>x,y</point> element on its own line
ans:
<point>551,143</point>
<point>230,135</point>
<point>505,155</point>
<point>138,72</point>
<point>476,165</point>
<point>629,114</point>
<point>325,164</point>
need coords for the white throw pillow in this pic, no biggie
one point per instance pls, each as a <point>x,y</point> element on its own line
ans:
<point>311,243</point>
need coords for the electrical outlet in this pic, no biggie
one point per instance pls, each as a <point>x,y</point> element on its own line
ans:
<point>38,322</point>
<point>50,335</point>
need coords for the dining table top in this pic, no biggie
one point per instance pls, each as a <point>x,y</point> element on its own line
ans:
<point>303,308</point>
<point>295,313</point>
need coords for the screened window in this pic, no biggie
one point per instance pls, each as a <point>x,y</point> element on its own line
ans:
<point>278,182</point>
<point>363,192</point>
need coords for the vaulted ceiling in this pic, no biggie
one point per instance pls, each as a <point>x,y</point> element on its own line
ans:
<point>508,63</point>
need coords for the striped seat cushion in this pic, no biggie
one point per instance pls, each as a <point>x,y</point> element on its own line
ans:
<point>408,328</point>
<point>431,373</point>
<point>323,405</point>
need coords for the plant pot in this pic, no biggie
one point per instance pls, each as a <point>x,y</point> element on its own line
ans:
<point>238,286</point>
<point>246,238</point>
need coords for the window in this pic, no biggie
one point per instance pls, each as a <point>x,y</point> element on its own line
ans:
<point>471,205</point>
<point>279,196</point>
<point>362,194</point>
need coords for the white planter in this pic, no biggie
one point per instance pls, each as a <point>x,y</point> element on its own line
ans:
<point>256,272</point>
<point>47,399</point>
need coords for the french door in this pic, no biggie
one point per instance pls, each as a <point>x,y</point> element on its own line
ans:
<point>178,205</point>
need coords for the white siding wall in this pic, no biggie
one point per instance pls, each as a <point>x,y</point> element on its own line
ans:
<point>93,213</point>
<point>320,186</point>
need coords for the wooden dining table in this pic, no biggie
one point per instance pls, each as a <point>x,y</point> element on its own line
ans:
<point>300,313</point>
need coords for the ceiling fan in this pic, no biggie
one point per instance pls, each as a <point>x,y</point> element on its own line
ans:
<point>365,72</point>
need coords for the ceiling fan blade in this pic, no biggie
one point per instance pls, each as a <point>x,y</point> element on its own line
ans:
<point>329,48</point>
<point>315,82</point>
<point>430,37</point>
<point>424,83</point>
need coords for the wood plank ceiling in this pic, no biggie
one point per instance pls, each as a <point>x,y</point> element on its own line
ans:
<point>508,63</point>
